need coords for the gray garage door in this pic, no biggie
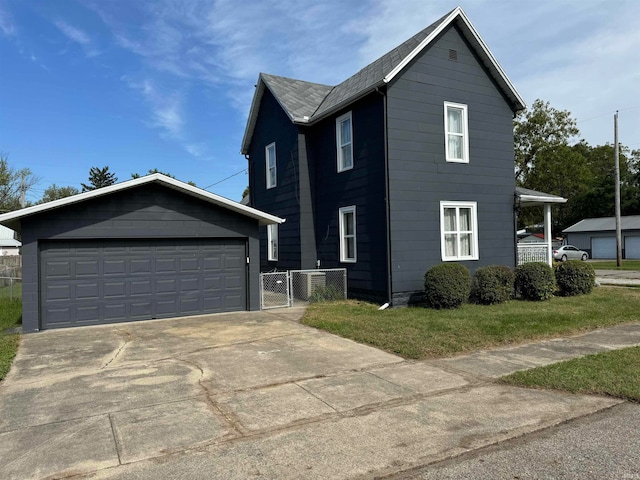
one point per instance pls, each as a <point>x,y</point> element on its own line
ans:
<point>108,281</point>
<point>603,247</point>
<point>632,248</point>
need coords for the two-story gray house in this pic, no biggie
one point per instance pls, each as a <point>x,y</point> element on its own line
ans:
<point>404,165</point>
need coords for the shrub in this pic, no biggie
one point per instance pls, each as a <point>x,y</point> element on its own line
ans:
<point>575,278</point>
<point>535,281</point>
<point>327,293</point>
<point>447,285</point>
<point>492,284</point>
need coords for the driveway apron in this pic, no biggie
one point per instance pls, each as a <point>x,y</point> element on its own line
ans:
<point>247,395</point>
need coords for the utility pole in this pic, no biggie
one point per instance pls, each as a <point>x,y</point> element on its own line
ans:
<point>23,191</point>
<point>616,154</point>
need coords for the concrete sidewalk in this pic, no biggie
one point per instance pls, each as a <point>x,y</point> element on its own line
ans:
<point>257,395</point>
<point>617,277</point>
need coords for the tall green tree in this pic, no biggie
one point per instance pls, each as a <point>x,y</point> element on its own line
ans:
<point>14,184</point>
<point>99,178</point>
<point>54,192</point>
<point>536,129</point>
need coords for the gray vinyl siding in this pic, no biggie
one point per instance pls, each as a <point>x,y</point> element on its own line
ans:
<point>145,212</point>
<point>273,125</point>
<point>583,240</point>
<point>362,186</point>
<point>419,176</point>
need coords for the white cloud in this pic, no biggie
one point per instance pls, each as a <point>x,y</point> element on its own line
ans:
<point>6,23</point>
<point>78,36</point>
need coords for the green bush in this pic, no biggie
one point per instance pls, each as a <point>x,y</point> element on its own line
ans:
<point>492,284</point>
<point>575,278</point>
<point>447,285</point>
<point>535,281</point>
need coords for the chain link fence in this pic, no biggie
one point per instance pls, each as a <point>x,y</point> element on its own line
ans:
<point>11,287</point>
<point>11,277</point>
<point>299,287</point>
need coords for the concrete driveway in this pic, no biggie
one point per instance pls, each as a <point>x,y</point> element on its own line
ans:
<point>247,395</point>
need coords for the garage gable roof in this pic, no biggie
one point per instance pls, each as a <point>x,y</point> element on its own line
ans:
<point>604,224</point>
<point>12,219</point>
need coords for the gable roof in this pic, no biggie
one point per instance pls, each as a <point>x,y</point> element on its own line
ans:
<point>604,224</point>
<point>306,102</point>
<point>13,219</point>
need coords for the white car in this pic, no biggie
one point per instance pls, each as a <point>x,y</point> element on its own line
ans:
<point>569,252</point>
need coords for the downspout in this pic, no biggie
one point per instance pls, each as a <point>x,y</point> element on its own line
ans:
<point>386,197</point>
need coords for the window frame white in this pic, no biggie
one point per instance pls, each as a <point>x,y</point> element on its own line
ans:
<point>342,215</point>
<point>473,206</point>
<point>464,134</point>
<point>272,237</point>
<point>268,168</point>
<point>339,144</point>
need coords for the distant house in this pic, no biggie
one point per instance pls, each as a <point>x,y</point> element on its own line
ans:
<point>404,165</point>
<point>597,236</point>
<point>532,238</point>
<point>9,244</point>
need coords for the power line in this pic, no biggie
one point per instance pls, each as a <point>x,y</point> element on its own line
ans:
<point>244,170</point>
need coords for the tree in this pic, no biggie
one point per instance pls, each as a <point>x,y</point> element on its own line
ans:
<point>99,178</point>
<point>54,192</point>
<point>14,185</point>
<point>538,128</point>
<point>245,192</point>
<point>155,170</point>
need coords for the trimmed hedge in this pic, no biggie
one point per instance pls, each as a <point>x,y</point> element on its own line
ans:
<point>535,281</point>
<point>492,284</point>
<point>575,278</point>
<point>447,285</point>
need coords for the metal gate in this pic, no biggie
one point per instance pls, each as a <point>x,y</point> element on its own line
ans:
<point>299,287</point>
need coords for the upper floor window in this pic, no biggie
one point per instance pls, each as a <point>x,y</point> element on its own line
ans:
<point>456,127</point>
<point>347,220</point>
<point>459,231</point>
<point>344,142</point>
<point>272,242</point>
<point>270,156</point>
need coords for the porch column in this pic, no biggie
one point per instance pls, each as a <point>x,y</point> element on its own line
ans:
<point>547,232</point>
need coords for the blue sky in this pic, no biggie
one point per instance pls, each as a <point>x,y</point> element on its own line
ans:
<point>167,84</point>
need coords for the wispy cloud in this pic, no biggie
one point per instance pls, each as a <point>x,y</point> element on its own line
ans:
<point>7,25</point>
<point>78,36</point>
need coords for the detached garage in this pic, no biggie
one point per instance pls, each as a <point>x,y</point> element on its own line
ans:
<point>598,237</point>
<point>152,247</point>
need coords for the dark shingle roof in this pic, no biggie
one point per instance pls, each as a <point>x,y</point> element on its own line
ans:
<point>306,102</point>
<point>299,98</point>
<point>373,74</point>
<point>604,224</point>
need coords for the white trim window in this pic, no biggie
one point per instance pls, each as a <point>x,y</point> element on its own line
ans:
<point>344,142</point>
<point>456,128</point>
<point>272,242</point>
<point>347,222</point>
<point>270,160</point>
<point>459,231</point>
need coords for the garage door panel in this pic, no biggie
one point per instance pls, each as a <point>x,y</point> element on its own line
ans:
<point>603,247</point>
<point>632,248</point>
<point>88,282</point>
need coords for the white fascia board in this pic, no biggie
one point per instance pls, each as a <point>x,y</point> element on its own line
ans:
<point>263,217</point>
<point>457,12</point>
<point>253,115</point>
<point>541,199</point>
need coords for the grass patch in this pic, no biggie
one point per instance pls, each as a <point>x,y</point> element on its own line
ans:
<point>422,333</point>
<point>615,373</point>
<point>10,317</point>
<point>612,265</point>
<point>12,291</point>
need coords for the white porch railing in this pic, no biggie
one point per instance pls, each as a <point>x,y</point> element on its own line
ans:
<point>532,252</point>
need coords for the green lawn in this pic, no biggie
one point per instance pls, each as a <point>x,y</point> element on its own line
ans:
<point>422,333</point>
<point>10,317</point>
<point>12,291</point>
<point>615,373</point>
<point>611,265</point>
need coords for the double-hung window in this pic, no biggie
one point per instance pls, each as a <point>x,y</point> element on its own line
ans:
<point>459,231</point>
<point>456,128</point>
<point>270,156</point>
<point>347,221</point>
<point>344,142</point>
<point>272,242</point>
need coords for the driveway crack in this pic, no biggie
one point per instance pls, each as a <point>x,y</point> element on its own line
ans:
<point>122,345</point>
<point>233,422</point>
<point>115,439</point>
